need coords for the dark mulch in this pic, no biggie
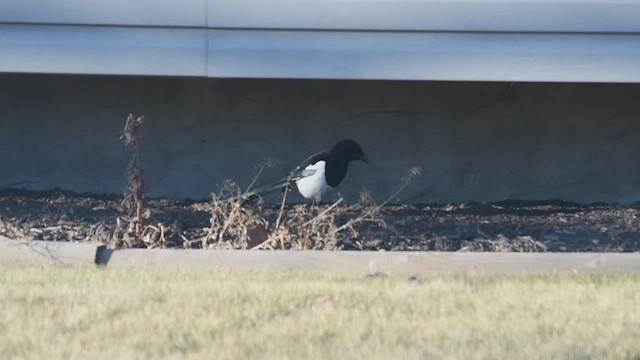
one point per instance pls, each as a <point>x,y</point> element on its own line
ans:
<point>499,226</point>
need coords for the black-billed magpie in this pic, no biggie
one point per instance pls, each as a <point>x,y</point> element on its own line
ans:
<point>318,174</point>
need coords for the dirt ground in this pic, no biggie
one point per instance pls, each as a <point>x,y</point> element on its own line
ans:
<point>501,226</point>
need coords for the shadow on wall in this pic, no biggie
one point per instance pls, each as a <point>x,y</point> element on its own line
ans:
<point>474,141</point>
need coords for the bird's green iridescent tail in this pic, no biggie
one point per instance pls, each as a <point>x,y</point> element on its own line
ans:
<point>269,188</point>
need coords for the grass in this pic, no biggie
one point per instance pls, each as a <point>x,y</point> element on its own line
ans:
<point>80,313</point>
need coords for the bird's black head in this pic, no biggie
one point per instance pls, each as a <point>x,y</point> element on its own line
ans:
<point>348,150</point>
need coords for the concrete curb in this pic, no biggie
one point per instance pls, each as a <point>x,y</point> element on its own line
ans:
<point>14,253</point>
<point>30,253</point>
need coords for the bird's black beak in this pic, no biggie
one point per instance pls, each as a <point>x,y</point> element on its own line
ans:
<point>365,158</point>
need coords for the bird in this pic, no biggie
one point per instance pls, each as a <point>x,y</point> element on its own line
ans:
<point>318,174</point>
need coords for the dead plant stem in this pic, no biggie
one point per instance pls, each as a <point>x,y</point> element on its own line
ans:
<point>284,199</point>
<point>324,212</point>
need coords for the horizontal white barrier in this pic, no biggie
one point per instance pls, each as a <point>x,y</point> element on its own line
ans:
<point>102,50</point>
<point>425,56</point>
<point>111,12</point>
<point>386,15</point>
<point>320,54</point>
<point>429,15</point>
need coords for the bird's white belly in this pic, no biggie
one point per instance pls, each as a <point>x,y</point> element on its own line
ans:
<point>314,186</point>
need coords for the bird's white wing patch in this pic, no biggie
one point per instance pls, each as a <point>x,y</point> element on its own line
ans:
<point>314,186</point>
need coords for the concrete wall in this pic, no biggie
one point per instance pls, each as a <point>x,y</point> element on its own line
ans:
<point>474,141</point>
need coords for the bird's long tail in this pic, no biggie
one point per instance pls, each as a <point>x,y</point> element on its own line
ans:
<point>269,188</point>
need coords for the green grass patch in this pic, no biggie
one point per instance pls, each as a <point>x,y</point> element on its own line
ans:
<point>150,313</point>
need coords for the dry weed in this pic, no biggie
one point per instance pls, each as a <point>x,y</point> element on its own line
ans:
<point>299,227</point>
<point>231,222</point>
<point>7,228</point>
<point>135,232</point>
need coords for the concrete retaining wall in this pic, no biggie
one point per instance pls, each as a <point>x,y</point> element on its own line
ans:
<point>474,141</point>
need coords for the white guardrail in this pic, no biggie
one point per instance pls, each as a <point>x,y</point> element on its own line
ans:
<point>492,40</point>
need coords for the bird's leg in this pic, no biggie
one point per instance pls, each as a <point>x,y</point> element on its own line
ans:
<point>313,205</point>
<point>316,202</point>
